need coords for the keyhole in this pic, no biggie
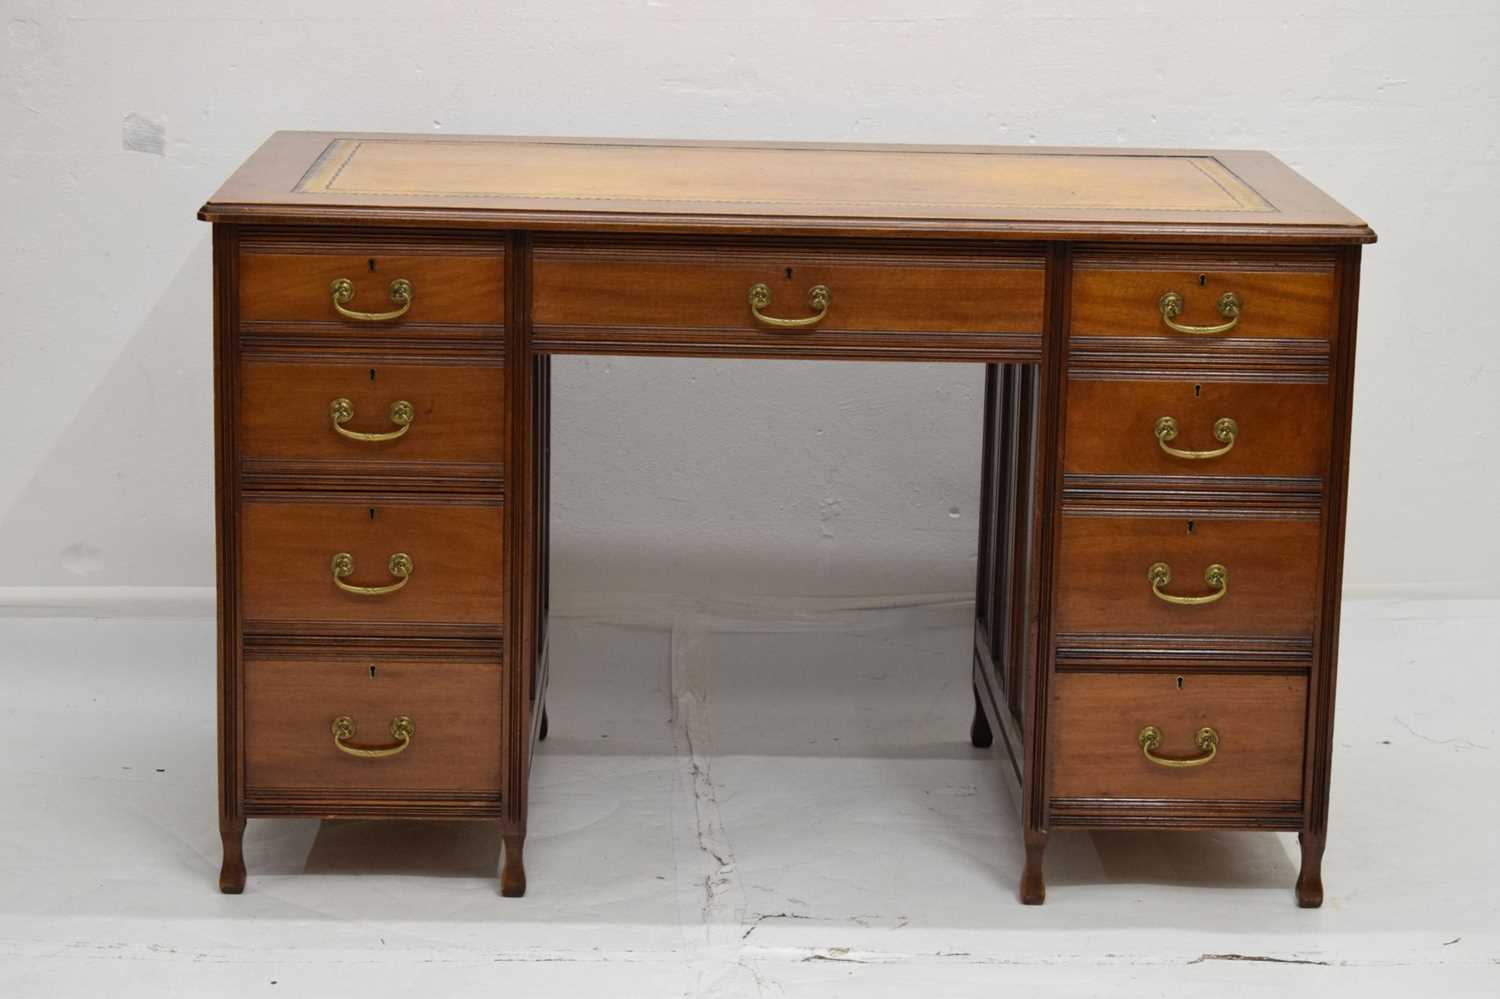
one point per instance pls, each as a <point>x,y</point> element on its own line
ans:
<point>1191,526</point>
<point>1179,679</point>
<point>372,676</point>
<point>1197,389</point>
<point>372,513</point>
<point>372,374</point>
<point>1202,278</point>
<point>372,265</point>
<point>788,273</point>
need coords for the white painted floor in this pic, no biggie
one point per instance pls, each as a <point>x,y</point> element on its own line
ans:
<point>811,823</point>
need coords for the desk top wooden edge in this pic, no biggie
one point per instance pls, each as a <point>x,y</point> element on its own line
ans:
<point>790,189</point>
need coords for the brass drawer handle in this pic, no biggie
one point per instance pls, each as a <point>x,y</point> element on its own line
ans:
<point>1225,431</point>
<point>342,290</point>
<point>818,297</point>
<point>401,731</point>
<point>341,411</point>
<point>1171,304</point>
<point>1207,740</point>
<point>398,565</point>
<point>1216,576</point>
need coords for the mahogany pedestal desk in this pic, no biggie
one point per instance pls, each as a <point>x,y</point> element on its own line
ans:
<point>1169,347</point>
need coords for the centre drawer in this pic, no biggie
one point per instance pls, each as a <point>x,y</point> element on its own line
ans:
<point>377,562</point>
<point>372,412</point>
<point>796,300</point>
<point>1208,573</point>
<point>1142,736</point>
<point>412,725</point>
<point>1193,426</point>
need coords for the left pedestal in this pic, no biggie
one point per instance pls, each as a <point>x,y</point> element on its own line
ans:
<point>362,438</point>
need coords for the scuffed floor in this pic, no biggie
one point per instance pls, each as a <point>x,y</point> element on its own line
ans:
<point>741,800</point>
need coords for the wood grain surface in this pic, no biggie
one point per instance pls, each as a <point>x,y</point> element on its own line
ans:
<point>452,283</point>
<point>1111,426</point>
<point>1288,298</point>
<point>1097,719</point>
<point>457,742</point>
<point>459,411</point>
<point>1103,589</point>
<point>694,298</point>
<point>456,550</point>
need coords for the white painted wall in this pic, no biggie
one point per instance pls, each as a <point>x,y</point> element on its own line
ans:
<point>688,476</point>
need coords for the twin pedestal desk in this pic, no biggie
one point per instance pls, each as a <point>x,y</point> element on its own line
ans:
<point>1168,339</point>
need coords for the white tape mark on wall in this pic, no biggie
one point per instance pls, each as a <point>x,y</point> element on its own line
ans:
<point>143,135</point>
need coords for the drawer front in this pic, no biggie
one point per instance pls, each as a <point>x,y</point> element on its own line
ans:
<point>1097,720</point>
<point>442,413</point>
<point>287,550</point>
<point>1120,297</point>
<point>451,282</point>
<point>1273,429</point>
<point>454,709</point>
<point>701,297</point>
<point>1270,580</point>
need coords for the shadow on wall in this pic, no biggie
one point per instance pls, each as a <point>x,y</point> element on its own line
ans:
<point>125,497</point>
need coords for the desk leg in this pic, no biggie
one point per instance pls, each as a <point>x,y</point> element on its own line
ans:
<point>232,872</point>
<point>529,397</point>
<point>513,871</point>
<point>1033,884</point>
<point>980,735</point>
<point>1005,604</point>
<point>1008,619</point>
<point>1310,878</point>
<point>1050,394</point>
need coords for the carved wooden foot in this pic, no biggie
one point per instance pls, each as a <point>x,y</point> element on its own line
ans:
<point>232,872</point>
<point>1310,878</point>
<point>979,729</point>
<point>541,736</point>
<point>513,872</point>
<point>1033,885</point>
